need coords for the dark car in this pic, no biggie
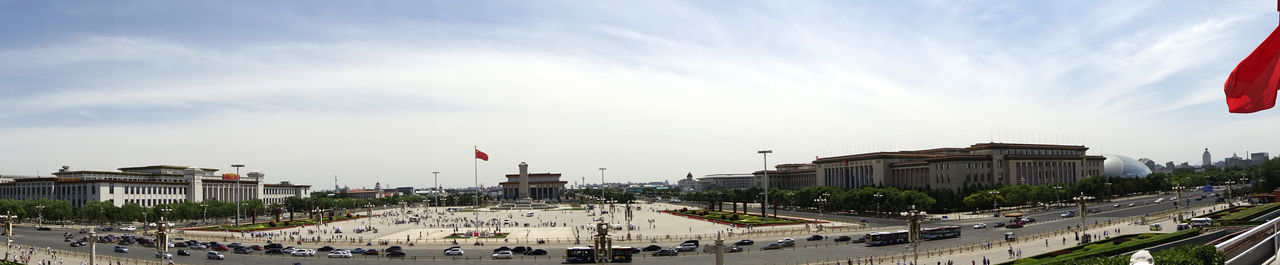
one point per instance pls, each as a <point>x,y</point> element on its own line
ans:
<point>666,252</point>
<point>744,242</point>
<point>327,248</point>
<point>373,252</point>
<point>243,250</point>
<point>393,248</point>
<point>395,253</point>
<point>180,244</point>
<point>503,248</point>
<point>276,251</point>
<point>256,247</point>
<point>536,252</point>
<point>815,238</point>
<point>44,228</point>
<point>695,242</point>
<point>75,244</point>
<point>652,248</point>
<point>520,249</point>
<point>359,250</point>
<point>843,239</point>
<point>999,224</point>
<point>183,252</point>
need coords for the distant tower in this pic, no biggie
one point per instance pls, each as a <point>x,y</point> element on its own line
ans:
<point>1207,160</point>
<point>335,184</point>
<point>689,176</point>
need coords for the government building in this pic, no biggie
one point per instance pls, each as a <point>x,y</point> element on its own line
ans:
<point>149,186</point>
<point>984,164</point>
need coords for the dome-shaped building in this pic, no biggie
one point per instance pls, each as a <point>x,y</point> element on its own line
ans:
<point>1123,166</point>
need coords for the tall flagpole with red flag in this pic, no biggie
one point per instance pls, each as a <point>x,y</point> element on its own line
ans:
<point>1252,85</point>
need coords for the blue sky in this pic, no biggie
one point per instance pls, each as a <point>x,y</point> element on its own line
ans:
<point>392,90</point>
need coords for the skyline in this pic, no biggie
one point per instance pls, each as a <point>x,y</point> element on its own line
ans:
<point>391,91</point>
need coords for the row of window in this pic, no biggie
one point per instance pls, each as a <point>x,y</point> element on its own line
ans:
<point>151,190</point>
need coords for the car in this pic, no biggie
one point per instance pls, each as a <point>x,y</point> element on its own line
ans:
<point>652,248</point>
<point>787,242</point>
<point>256,247</point>
<point>183,252</point>
<point>452,247</point>
<point>842,239</point>
<point>199,246</point>
<point>1095,210</point>
<point>214,255</point>
<point>44,228</point>
<point>814,238</point>
<point>503,248</point>
<point>666,252</point>
<point>999,224</point>
<point>340,254</point>
<point>686,247</point>
<point>1028,220</point>
<point>220,248</point>
<point>691,241</point>
<point>453,252</point>
<point>82,231</point>
<point>735,249</point>
<point>744,242</point>
<point>1116,205</point>
<point>179,244</point>
<point>75,244</point>
<point>302,253</point>
<point>536,252</point>
<point>395,253</point>
<point>520,249</point>
<point>393,248</point>
<point>1013,225</point>
<point>288,250</point>
<point>773,246</point>
<point>127,228</point>
<point>979,226</point>
<point>1068,214</point>
<point>164,255</point>
<point>1131,204</point>
<point>325,248</point>
<point>505,254</point>
<point>122,249</point>
<point>243,250</point>
<point>372,252</point>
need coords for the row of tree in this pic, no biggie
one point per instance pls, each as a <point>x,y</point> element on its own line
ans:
<point>108,212</point>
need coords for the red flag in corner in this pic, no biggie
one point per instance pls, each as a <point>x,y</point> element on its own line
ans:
<point>481,155</point>
<point>1252,85</point>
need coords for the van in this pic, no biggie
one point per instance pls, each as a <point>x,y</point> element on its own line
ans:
<point>528,214</point>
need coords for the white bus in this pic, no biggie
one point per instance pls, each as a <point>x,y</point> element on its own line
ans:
<point>1198,222</point>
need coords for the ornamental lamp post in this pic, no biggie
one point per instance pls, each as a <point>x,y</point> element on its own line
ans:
<point>913,223</point>
<point>238,191</point>
<point>8,227</point>
<point>1057,194</point>
<point>1081,200</point>
<point>995,202</point>
<point>437,193</point>
<point>878,196</point>
<point>1178,189</point>
<point>93,246</point>
<point>162,234</point>
<point>1229,195</point>
<point>39,215</point>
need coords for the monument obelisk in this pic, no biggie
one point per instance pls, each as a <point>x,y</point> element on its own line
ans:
<point>524,183</point>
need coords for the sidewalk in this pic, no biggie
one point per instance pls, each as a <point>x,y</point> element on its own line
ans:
<point>1027,245</point>
<point>36,255</point>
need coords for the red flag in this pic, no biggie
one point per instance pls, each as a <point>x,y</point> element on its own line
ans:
<point>230,176</point>
<point>1252,85</point>
<point>481,155</point>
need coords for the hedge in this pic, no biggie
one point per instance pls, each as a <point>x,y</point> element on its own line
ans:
<point>1107,247</point>
<point>1251,212</point>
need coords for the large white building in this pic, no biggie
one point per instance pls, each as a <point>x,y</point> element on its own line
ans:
<point>149,186</point>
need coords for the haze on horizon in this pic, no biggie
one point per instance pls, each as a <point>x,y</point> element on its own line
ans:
<point>651,90</point>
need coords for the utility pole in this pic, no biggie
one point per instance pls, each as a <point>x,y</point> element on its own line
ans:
<point>238,192</point>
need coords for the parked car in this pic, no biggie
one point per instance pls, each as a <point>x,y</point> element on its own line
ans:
<point>199,246</point>
<point>325,248</point>
<point>502,248</point>
<point>220,248</point>
<point>392,248</point>
<point>395,253</point>
<point>520,249</point>
<point>256,247</point>
<point>505,254</point>
<point>214,255</point>
<point>814,238</point>
<point>339,254</point>
<point>686,247</point>
<point>122,249</point>
<point>773,246</point>
<point>183,252</point>
<point>243,250</point>
<point>744,242</point>
<point>735,249</point>
<point>842,239</point>
<point>666,252</point>
<point>1068,214</point>
<point>127,228</point>
<point>536,252</point>
<point>979,226</point>
<point>652,248</point>
<point>453,252</point>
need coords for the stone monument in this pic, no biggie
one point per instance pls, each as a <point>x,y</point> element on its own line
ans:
<point>524,182</point>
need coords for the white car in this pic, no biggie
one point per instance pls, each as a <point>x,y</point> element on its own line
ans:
<point>164,255</point>
<point>505,254</point>
<point>979,226</point>
<point>453,252</point>
<point>129,228</point>
<point>288,250</point>
<point>214,255</point>
<point>340,254</point>
<point>304,253</point>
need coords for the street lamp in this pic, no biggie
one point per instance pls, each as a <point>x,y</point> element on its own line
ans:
<point>368,219</point>
<point>602,199</point>
<point>237,199</point>
<point>93,246</point>
<point>1178,190</point>
<point>162,234</point>
<point>995,202</point>
<point>765,204</point>
<point>204,212</point>
<point>39,215</point>
<point>1108,190</point>
<point>821,201</point>
<point>1057,194</point>
<point>1080,200</point>
<point>878,196</point>
<point>913,223</point>
<point>8,228</point>
<point>1229,196</point>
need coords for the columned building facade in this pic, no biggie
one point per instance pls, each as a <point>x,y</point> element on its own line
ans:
<point>985,164</point>
<point>149,186</point>
<point>542,186</point>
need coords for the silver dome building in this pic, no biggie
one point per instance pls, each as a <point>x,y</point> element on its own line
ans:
<point>1123,166</point>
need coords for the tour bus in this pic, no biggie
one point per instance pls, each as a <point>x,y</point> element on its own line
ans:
<point>887,238</point>
<point>580,255</point>
<point>940,232</point>
<point>623,254</point>
<point>1198,222</point>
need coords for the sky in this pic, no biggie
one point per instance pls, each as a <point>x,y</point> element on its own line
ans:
<point>390,91</point>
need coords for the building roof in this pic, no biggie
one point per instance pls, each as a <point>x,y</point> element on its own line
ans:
<point>1026,146</point>
<point>163,167</point>
<point>949,153</point>
<point>111,173</point>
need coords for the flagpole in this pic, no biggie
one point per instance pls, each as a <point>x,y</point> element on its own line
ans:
<point>475,166</point>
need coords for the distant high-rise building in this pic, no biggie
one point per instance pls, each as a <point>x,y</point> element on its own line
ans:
<point>1170,166</point>
<point>1258,158</point>
<point>1150,164</point>
<point>1234,161</point>
<point>1207,160</point>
